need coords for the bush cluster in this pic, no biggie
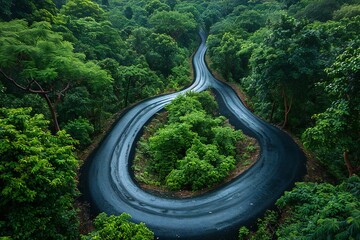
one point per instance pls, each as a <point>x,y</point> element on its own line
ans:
<point>195,148</point>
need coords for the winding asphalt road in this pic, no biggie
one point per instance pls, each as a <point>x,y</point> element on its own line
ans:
<point>108,184</point>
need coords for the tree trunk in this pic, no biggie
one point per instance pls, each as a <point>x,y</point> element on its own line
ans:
<point>287,108</point>
<point>272,112</point>
<point>348,164</point>
<point>53,113</point>
<point>39,90</point>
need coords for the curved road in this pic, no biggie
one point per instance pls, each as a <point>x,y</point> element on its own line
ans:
<point>109,186</point>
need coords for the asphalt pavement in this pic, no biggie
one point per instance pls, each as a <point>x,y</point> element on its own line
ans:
<point>107,182</point>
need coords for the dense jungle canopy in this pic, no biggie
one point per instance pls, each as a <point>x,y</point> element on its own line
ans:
<point>69,67</point>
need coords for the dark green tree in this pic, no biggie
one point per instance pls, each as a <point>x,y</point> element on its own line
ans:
<point>312,211</point>
<point>285,68</point>
<point>164,54</point>
<point>99,40</point>
<point>136,82</point>
<point>321,10</point>
<point>322,211</point>
<point>335,136</point>
<point>37,60</point>
<point>31,10</point>
<point>230,56</point>
<point>155,6</point>
<point>180,26</point>
<point>81,9</point>
<point>347,11</point>
<point>81,130</point>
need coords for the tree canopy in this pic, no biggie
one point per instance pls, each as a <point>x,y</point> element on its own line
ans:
<point>118,227</point>
<point>194,149</point>
<point>317,210</point>
<point>37,60</point>
<point>37,178</point>
<point>78,63</point>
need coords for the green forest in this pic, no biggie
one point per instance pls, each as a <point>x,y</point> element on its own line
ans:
<point>68,68</point>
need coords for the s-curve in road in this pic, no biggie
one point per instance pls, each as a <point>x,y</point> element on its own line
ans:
<point>108,185</point>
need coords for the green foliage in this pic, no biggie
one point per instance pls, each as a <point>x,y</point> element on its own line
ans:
<point>211,15</point>
<point>37,60</point>
<point>76,103</point>
<point>81,130</point>
<point>322,211</point>
<point>284,68</point>
<point>180,26</point>
<point>203,166</point>
<point>181,106</point>
<point>324,139</point>
<point>136,82</point>
<point>169,145</point>
<point>180,76</point>
<point>321,10</point>
<point>26,100</point>
<point>193,8</point>
<point>265,228</point>
<point>194,149</point>
<point>98,39</point>
<point>185,104</point>
<point>37,178</point>
<point>225,138</point>
<point>30,10</point>
<point>164,53</point>
<point>118,227</point>
<point>347,11</point>
<point>228,50</point>
<point>5,9</point>
<point>243,233</point>
<point>154,6</point>
<point>313,211</point>
<point>335,130</point>
<point>82,8</point>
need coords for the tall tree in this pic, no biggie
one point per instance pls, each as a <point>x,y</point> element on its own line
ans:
<point>136,82</point>
<point>322,211</point>
<point>231,56</point>
<point>336,134</point>
<point>180,26</point>
<point>36,60</point>
<point>164,53</point>
<point>285,66</point>
<point>37,180</point>
<point>98,40</point>
<point>154,6</point>
<point>82,8</point>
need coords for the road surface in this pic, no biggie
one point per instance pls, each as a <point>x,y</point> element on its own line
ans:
<point>108,185</point>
